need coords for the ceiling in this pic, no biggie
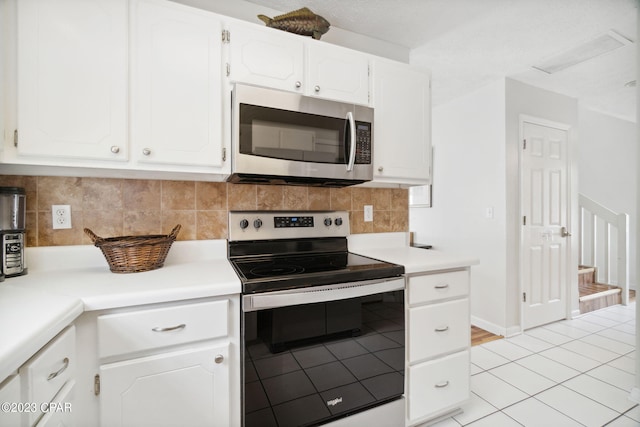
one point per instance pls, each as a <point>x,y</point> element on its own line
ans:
<point>469,43</point>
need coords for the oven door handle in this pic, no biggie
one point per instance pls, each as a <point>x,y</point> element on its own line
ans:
<point>317,294</point>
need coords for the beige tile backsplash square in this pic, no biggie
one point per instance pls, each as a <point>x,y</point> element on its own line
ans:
<point>115,207</point>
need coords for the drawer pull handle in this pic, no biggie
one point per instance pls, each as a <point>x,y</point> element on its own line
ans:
<point>442,286</point>
<point>169,329</point>
<point>442,384</point>
<point>59,371</point>
<point>444,329</point>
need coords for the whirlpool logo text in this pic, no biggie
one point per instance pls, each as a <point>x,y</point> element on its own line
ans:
<point>334,402</point>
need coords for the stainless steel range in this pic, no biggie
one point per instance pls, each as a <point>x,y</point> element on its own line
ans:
<point>323,328</point>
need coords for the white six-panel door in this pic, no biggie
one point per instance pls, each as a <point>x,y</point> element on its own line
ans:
<point>544,206</point>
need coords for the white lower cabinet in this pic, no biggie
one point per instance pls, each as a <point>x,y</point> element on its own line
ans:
<point>10,393</point>
<point>438,347</point>
<point>168,365</point>
<point>188,387</point>
<point>48,378</point>
<point>59,411</point>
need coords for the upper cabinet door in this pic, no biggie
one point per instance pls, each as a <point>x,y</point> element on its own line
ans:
<point>176,85</point>
<point>72,78</point>
<point>402,128</point>
<point>265,57</point>
<point>337,73</point>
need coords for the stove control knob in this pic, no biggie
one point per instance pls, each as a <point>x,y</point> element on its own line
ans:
<point>244,224</point>
<point>327,221</point>
<point>338,221</point>
<point>257,223</point>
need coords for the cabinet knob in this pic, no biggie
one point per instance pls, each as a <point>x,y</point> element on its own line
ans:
<point>380,168</point>
<point>115,149</point>
<point>219,358</point>
<point>317,89</point>
<point>298,84</point>
<point>146,151</point>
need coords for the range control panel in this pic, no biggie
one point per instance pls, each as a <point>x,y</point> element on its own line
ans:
<point>263,225</point>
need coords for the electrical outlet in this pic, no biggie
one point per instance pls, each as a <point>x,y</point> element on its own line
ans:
<point>368,213</point>
<point>61,216</point>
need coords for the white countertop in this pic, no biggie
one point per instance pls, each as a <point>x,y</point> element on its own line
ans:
<point>30,319</point>
<point>63,282</point>
<point>393,247</point>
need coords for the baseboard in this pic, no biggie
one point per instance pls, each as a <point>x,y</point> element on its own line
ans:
<point>513,331</point>
<point>488,326</point>
<point>575,314</point>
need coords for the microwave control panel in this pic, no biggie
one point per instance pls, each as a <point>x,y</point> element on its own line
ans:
<point>363,143</point>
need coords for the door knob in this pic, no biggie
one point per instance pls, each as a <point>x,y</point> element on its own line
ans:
<point>564,232</point>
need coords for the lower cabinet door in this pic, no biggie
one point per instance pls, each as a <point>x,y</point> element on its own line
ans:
<point>438,386</point>
<point>188,387</point>
<point>59,412</point>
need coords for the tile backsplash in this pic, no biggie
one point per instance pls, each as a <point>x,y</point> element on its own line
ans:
<point>116,207</point>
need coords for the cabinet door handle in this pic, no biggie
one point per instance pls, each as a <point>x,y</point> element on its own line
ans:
<point>317,89</point>
<point>444,329</point>
<point>442,384</point>
<point>146,151</point>
<point>298,84</point>
<point>65,365</point>
<point>170,328</point>
<point>442,286</point>
<point>219,358</point>
<point>115,149</point>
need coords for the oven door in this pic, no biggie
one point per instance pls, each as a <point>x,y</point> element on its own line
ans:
<point>316,354</point>
<point>292,138</point>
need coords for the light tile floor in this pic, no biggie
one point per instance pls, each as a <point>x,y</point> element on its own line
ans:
<point>575,372</point>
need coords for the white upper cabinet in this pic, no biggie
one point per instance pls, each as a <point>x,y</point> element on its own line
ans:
<point>402,124</point>
<point>72,78</point>
<point>265,58</point>
<point>176,100</point>
<point>279,60</point>
<point>337,73</point>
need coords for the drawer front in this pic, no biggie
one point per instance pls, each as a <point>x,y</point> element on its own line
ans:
<point>439,385</point>
<point>123,333</point>
<point>434,287</point>
<point>438,329</point>
<point>48,371</point>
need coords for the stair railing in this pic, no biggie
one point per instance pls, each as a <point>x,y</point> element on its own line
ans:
<point>598,227</point>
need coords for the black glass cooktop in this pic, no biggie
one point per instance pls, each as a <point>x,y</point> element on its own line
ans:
<point>271,273</point>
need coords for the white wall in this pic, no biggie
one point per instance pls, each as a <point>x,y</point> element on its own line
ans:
<point>468,177</point>
<point>246,11</point>
<point>476,141</point>
<point>608,166</point>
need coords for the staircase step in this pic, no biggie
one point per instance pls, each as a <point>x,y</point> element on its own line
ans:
<point>601,294</point>
<point>586,274</point>
<point>595,296</point>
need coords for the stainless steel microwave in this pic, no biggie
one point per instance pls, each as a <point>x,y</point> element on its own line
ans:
<point>287,138</point>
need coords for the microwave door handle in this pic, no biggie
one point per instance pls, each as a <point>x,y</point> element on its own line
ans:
<point>352,140</point>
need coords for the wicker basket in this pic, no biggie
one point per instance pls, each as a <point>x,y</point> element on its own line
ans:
<point>133,254</point>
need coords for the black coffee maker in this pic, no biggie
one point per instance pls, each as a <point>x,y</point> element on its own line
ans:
<point>12,231</point>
